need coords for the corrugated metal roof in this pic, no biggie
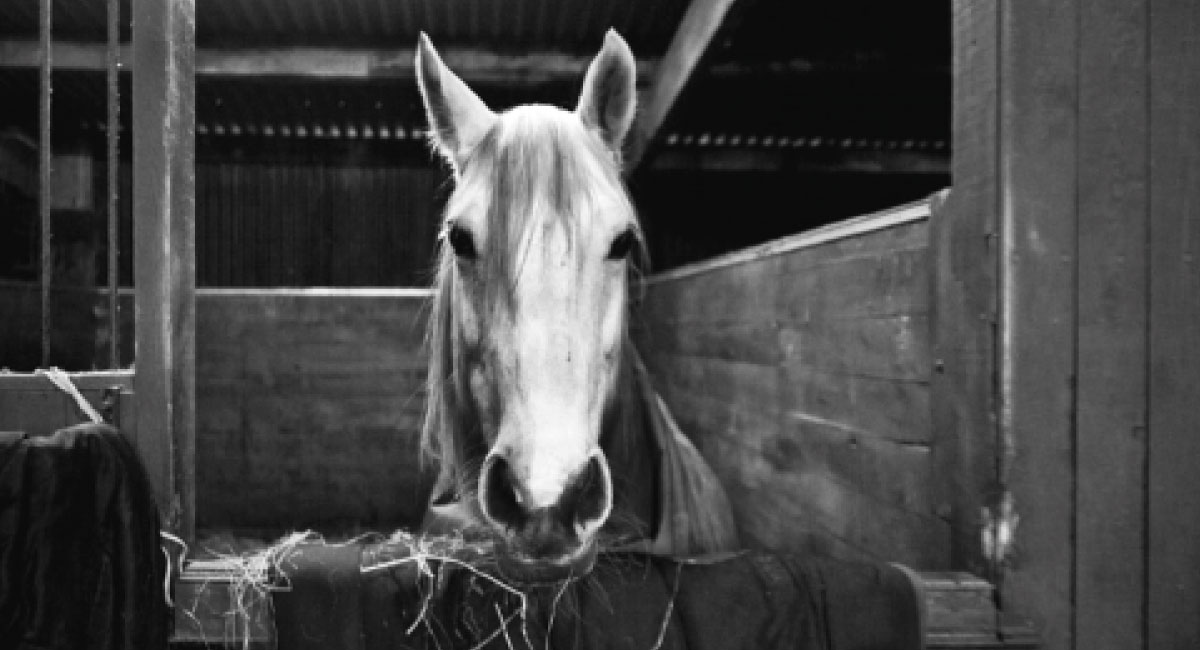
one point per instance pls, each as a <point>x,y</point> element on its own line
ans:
<point>507,25</point>
<point>573,25</point>
<point>873,73</point>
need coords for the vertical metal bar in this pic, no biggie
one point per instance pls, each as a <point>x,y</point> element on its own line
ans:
<point>113,140</point>
<point>44,26</point>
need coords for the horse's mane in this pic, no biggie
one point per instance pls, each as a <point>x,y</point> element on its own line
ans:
<point>533,157</point>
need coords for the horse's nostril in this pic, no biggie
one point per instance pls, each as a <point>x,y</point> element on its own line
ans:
<point>499,498</point>
<point>593,493</point>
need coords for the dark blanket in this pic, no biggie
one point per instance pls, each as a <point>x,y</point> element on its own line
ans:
<point>750,600</point>
<point>80,562</point>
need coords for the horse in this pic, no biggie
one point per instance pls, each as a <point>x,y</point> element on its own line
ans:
<point>541,419</point>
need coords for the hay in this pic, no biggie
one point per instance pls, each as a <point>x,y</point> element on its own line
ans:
<point>250,577</point>
<point>253,576</point>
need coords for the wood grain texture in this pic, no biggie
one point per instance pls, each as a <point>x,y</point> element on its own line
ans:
<point>30,403</point>
<point>965,283</point>
<point>1112,328</point>
<point>1038,232</point>
<point>803,376</point>
<point>309,409</point>
<point>1173,571</point>
<point>164,243</point>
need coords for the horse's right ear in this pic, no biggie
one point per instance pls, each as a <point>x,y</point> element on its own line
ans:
<point>458,119</point>
<point>609,94</point>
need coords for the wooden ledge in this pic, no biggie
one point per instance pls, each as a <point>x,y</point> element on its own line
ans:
<point>961,612</point>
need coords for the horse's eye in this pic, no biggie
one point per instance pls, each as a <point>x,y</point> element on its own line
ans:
<point>621,246</point>
<point>461,241</point>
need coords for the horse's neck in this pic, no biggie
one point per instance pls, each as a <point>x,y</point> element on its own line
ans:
<point>633,454</point>
<point>693,514</point>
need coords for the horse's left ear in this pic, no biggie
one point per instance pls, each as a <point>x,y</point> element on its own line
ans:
<point>610,91</point>
<point>457,117</point>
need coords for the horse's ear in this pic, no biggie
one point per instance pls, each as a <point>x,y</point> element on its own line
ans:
<point>457,117</point>
<point>610,91</point>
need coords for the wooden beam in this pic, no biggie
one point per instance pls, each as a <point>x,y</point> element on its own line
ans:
<point>697,30</point>
<point>477,65</point>
<point>164,251</point>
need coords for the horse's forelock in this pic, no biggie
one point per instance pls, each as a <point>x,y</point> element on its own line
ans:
<point>541,161</point>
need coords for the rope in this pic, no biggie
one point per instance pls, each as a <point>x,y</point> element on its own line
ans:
<point>63,381</point>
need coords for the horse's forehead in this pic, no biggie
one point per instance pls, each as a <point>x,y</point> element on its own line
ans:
<point>539,164</point>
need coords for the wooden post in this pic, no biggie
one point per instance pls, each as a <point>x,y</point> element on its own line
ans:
<point>112,160</point>
<point>1038,138</point>
<point>963,252</point>
<point>164,250</point>
<point>45,155</point>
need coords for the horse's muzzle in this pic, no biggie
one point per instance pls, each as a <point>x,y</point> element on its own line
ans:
<point>516,565</point>
<point>550,542</point>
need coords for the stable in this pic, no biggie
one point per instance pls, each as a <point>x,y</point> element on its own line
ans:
<point>964,340</point>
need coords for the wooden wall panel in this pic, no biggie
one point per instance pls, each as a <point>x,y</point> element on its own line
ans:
<point>309,409</point>
<point>1112,274</point>
<point>1173,569</point>
<point>1095,190</point>
<point>802,372</point>
<point>1038,324</point>
<point>33,405</point>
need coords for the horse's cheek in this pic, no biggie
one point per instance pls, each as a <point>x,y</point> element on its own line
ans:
<point>612,324</point>
<point>470,330</point>
<point>484,401</point>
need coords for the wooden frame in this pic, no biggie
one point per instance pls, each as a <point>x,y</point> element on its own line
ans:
<point>164,261</point>
<point>1072,299</point>
<point>475,65</point>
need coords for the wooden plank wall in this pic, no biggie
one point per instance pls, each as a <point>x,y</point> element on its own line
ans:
<point>803,376</point>
<point>1093,190</point>
<point>309,406</point>
<point>1173,510</point>
<point>33,405</point>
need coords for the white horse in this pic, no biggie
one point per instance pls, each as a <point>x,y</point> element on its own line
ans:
<point>542,420</point>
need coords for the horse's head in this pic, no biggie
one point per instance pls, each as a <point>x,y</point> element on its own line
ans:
<point>529,323</point>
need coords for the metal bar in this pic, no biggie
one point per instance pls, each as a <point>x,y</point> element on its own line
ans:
<point>113,140</point>
<point>45,22</point>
